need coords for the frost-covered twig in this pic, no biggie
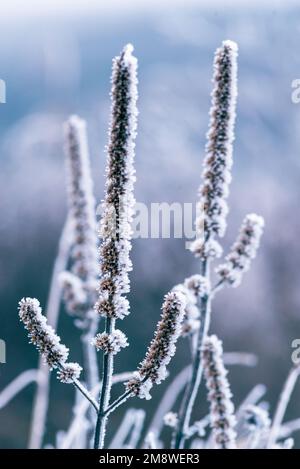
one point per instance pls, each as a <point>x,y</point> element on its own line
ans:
<point>152,369</point>
<point>41,398</point>
<point>219,395</point>
<point>212,206</point>
<point>82,409</point>
<point>282,404</point>
<point>118,212</point>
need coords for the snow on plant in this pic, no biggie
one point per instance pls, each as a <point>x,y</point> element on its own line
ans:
<point>186,310</point>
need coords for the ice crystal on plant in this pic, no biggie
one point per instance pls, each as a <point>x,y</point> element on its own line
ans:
<point>203,249</point>
<point>171,419</point>
<point>219,395</point>
<point>69,372</point>
<point>110,343</point>
<point>243,250</point>
<point>153,368</point>
<point>198,284</point>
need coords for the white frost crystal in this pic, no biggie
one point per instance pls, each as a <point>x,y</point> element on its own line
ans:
<point>171,419</point>
<point>110,343</point>
<point>69,372</point>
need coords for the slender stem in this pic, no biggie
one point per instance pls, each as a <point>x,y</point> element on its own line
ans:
<point>219,285</point>
<point>120,400</point>
<point>108,361</point>
<point>284,399</point>
<point>86,394</point>
<point>197,369</point>
<point>40,405</point>
<point>91,370</point>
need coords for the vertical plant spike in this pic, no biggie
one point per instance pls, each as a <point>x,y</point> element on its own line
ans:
<point>81,283</point>
<point>243,251</point>
<point>153,368</point>
<point>219,395</point>
<point>212,207</point>
<point>118,210</point>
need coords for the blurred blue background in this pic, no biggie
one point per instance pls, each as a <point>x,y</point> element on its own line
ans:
<point>56,60</point>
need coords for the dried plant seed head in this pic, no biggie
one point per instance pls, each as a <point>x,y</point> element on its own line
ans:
<point>118,206</point>
<point>69,372</point>
<point>219,395</point>
<point>212,207</point>
<point>84,252</point>
<point>171,419</point>
<point>243,250</point>
<point>41,334</point>
<point>198,285</point>
<point>162,348</point>
<point>110,343</point>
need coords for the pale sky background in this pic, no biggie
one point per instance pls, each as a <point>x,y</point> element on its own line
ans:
<point>18,9</point>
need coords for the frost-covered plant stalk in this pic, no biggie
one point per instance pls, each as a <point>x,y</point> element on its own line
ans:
<point>48,344</point>
<point>153,368</point>
<point>79,284</point>
<point>212,206</point>
<point>115,224</point>
<point>222,417</point>
<point>243,251</point>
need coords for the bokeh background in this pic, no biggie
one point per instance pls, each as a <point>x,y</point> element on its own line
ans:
<point>56,60</point>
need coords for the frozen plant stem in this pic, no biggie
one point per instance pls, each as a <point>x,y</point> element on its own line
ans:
<point>194,383</point>
<point>283,402</point>
<point>212,207</point>
<point>115,230</point>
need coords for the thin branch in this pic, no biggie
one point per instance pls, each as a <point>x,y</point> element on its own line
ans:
<point>17,385</point>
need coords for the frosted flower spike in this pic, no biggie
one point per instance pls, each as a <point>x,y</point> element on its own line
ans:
<point>243,250</point>
<point>219,395</point>
<point>162,348</point>
<point>46,340</point>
